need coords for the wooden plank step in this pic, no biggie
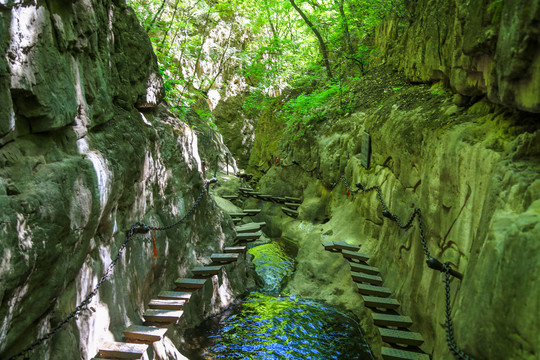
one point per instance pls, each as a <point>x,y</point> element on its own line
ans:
<point>245,189</point>
<point>230,197</point>
<point>248,236</point>
<point>397,354</point>
<point>343,245</point>
<point>364,269</point>
<point>145,334</point>
<point>188,283</point>
<point>353,255</point>
<point>236,220</point>
<point>206,270</point>
<point>280,199</point>
<point>366,278</point>
<point>121,350</point>
<point>224,258</point>
<point>174,295</point>
<point>392,336</point>
<point>162,316</point>
<point>292,199</point>
<point>329,246</point>
<point>391,320</point>
<point>235,249</point>
<point>163,304</point>
<point>292,205</point>
<point>251,212</point>
<point>380,302</point>
<point>366,289</point>
<point>238,214</point>
<point>247,228</point>
<point>289,212</point>
<point>265,197</point>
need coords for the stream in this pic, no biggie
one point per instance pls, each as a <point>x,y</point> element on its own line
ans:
<point>270,325</point>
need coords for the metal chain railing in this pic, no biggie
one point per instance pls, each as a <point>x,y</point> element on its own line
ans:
<point>431,262</point>
<point>136,228</point>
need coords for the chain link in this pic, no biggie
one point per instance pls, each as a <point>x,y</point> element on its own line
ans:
<point>458,353</point>
<point>136,228</point>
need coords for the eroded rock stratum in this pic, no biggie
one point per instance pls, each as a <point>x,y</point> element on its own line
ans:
<point>84,153</point>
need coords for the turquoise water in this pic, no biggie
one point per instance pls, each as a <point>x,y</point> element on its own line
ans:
<point>267,326</point>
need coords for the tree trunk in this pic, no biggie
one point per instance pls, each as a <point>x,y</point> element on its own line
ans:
<point>322,45</point>
<point>345,26</point>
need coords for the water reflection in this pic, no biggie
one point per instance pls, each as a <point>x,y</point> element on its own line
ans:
<point>265,326</point>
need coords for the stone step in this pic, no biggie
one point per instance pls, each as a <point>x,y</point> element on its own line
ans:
<point>392,336</point>
<point>292,205</point>
<point>248,236</point>
<point>145,334</point>
<point>352,255</point>
<point>397,354</point>
<point>380,302</point>
<point>251,212</point>
<point>366,289</point>
<point>365,269</point>
<point>206,270</point>
<point>121,350</point>
<point>366,278</point>
<point>343,245</point>
<point>391,320</point>
<point>235,249</point>
<point>191,284</point>
<point>163,304</point>
<point>162,317</point>
<point>224,258</point>
<point>175,295</point>
<point>292,199</point>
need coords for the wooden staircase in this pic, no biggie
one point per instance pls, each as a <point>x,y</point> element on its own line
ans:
<point>166,309</point>
<point>400,342</point>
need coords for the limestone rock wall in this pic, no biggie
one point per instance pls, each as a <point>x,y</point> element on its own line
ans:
<point>473,171</point>
<point>84,153</point>
<point>485,47</point>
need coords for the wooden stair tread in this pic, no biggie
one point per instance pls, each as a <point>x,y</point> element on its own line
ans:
<point>235,249</point>
<point>392,336</point>
<point>289,211</point>
<point>166,304</point>
<point>206,270</point>
<point>174,295</point>
<point>230,197</point>
<point>238,214</point>
<point>248,235</point>
<point>247,228</point>
<point>144,333</point>
<point>391,320</point>
<point>343,245</point>
<point>329,246</point>
<point>366,289</point>
<point>189,283</point>
<point>224,257</point>
<point>292,205</point>
<point>364,269</point>
<point>380,302</point>
<point>292,199</point>
<point>353,255</point>
<point>162,316</point>
<point>397,354</point>
<point>121,350</point>
<point>366,278</point>
<point>251,212</point>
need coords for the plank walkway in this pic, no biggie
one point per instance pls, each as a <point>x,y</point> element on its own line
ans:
<point>401,343</point>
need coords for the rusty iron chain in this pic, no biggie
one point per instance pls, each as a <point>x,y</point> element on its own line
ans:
<point>136,228</point>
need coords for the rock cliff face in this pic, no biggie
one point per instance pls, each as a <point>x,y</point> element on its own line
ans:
<point>473,172</point>
<point>486,47</point>
<point>84,153</point>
